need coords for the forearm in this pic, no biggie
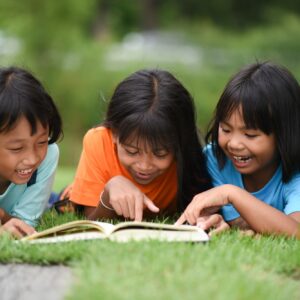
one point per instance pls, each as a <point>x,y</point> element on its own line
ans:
<point>4,216</point>
<point>262,217</point>
<point>103,210</point>
<point>239,223</point>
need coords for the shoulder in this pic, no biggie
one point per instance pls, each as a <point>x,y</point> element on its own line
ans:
<point>294,183</point>
<point>51,158</point>
<point>94,135</point>
<point>52,154</point>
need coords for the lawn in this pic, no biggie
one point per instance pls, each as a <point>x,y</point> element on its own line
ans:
<point>229,266</point>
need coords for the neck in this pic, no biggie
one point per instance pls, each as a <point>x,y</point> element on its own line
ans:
<point>256,181</point>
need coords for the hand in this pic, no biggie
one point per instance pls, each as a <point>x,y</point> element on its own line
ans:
<point>204,204</point>
<point>214,222</point>
<point>66,192</point>
<point>126,199</point>
<point>17,228</point>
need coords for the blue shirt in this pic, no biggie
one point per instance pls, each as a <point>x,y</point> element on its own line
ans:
<point>283,196</point>
<point>28,202</point>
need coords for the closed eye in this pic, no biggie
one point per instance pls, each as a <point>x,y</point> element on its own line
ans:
<point>16,149</point>
<point>251,136</point>
<point>131,152</point>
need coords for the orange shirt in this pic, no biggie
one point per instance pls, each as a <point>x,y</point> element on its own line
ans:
<point>99,163</point>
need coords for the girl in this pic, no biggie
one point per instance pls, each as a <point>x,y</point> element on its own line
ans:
<point>146,154</point>
<point>29,126</point>
<point>254,158</point>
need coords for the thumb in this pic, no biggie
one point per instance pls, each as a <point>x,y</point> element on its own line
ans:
<point>150,205</point>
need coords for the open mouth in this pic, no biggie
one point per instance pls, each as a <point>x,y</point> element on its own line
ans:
<point>24,172</point>
<point>242,159</point>
<point>143,175</point>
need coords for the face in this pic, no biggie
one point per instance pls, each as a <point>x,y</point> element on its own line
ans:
<point>21,153</point>
<point>252,152</point>
<point>143,163</point>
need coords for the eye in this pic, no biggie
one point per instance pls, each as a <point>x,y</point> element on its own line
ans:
<point>42,143</point>
<point>251,135</point>
<point>18,149</point>
<point>161,153</point>
<point>224,129</point>
<point>131,152</point>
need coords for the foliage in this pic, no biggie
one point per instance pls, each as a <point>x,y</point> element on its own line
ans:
<point>67,45</point>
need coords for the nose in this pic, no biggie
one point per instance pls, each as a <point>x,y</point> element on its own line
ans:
<point>235,142</point>
<point>145,163</point>
<point>32,158</point>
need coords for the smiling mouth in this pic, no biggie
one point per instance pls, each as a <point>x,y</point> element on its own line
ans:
<point>242,159</point>
<point>25,171</point>
<point>143,175</point>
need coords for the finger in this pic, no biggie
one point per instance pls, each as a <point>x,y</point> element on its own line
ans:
<point>25,229</point>
<point>117,207</point>
<point>206,222</point>
<point>66,192</point>
<point>221,228</point>
<point>139,208</point>
<point>124,203</point>
<point>181,220</point>
<point>131,208</point>
<point>12,230</point>
<point>150,205</point>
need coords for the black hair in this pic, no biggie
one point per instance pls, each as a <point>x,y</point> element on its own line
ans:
<point>154,107</point>
<point>269,98</point>
<point>21,94</point>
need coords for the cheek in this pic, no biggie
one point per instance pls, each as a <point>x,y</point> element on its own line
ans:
<point>165,164</point>
<point>221,140</point>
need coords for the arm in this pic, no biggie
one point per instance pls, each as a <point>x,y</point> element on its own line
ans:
<point>260,216</point>
<point>121,197</point>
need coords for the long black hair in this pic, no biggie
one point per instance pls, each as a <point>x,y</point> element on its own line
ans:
<point>269,98</point>
<point>155,107</point>
<point>21,94</point>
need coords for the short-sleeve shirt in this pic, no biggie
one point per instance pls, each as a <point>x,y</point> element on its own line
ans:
<point>99,163</point>
<point>283,196</point>
<point>28,202</point>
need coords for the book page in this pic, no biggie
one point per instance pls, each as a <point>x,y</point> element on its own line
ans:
<point>78,236</point>
<point>136,234</point>
<point>157,226</point>
<point>73,227</point>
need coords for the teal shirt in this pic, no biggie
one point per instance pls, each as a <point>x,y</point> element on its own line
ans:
<point>282,196</point>
<point>29,202</point>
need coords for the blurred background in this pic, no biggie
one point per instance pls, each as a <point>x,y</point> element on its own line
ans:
<point>81,49</point>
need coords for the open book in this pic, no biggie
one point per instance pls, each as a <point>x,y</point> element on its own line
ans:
<point>122,232</point>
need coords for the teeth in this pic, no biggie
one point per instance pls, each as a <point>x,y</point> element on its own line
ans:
<point>242,158</point>
<point>24,171</point>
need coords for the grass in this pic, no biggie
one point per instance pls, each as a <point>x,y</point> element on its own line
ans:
<point>230,266</point>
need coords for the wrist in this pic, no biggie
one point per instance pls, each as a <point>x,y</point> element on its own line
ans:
<point>103,203</point>
<point>231,193</point>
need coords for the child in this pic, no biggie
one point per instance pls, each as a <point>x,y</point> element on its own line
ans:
<point>29,126</point>
<point>254,158</point>
<point>146,155</point>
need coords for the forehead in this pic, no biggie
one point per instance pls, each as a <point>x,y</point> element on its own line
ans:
<point>234,115</point>
<point>142,143</point>
<point>23,128</point>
